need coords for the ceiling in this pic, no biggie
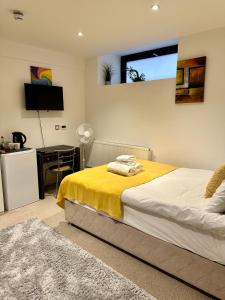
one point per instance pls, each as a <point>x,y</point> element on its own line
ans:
<point>108,25</point>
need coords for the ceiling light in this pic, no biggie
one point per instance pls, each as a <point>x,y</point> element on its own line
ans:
<point>155,7</point>
<point>80,34</point>
<point>18,15</point>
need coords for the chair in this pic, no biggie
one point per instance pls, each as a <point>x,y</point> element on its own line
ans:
<point>65,163</point>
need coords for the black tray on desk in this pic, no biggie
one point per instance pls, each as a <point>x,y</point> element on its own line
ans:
<point>8,151</point>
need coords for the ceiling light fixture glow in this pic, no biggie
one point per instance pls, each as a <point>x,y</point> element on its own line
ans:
<point>80,34</point>
<point>155,7</point>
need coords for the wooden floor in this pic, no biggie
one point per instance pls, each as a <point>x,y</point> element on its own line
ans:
<point>158,284</point>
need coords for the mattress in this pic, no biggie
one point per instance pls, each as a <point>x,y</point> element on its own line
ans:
<point>202,243</point>
<point>178,196</point>
<point>172,208</point>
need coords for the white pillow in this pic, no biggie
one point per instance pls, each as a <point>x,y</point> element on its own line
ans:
<point>216,204</point>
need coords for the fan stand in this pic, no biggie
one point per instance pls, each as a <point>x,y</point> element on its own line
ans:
<point>82,157</point>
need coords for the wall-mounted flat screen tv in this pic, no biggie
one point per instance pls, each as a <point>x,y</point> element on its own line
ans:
<point>43,97</point>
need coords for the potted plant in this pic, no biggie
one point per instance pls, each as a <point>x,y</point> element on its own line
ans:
<point>134,75</point>
<point>108,72</point>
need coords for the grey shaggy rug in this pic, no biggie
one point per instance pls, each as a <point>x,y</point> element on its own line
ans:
<point>36,262</point>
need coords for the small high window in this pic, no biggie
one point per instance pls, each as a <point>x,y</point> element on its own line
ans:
<point>154,64</point>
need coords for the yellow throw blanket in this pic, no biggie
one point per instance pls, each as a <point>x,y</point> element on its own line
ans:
<point>100,189</point>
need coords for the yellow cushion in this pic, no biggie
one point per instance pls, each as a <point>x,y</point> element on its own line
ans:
<point>215,181</point>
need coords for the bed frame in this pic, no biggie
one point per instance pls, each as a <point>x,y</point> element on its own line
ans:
<point>200,273</point>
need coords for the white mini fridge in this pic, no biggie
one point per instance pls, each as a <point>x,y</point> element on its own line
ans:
<point>19,178</point>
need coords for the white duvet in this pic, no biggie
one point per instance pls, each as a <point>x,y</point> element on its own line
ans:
<point>178,196</point>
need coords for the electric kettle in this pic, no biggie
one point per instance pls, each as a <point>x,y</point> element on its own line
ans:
<point>19,137</point>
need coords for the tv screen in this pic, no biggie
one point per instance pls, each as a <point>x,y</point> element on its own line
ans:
<point>43,97</point>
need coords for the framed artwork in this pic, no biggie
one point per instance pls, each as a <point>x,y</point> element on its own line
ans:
<point>190,80</point>
<point>41,75</point>
<point>180,76</point>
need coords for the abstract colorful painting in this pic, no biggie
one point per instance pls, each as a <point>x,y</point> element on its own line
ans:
<point>41,75</point>
<point>190,80</point>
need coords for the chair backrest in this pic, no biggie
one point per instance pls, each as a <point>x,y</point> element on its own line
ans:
<point>66,157</point>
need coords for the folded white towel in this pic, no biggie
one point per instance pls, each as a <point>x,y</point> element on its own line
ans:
<point>138,166</point>
<point>131,164</point>
<point>124,169</point>
<point>127,163</point>
<point>126,158</point>
<point>121,169</point>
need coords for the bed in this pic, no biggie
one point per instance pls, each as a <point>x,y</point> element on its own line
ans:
<point>165,224</point>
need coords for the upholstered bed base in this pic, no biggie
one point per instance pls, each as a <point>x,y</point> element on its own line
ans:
<point>191,268</point>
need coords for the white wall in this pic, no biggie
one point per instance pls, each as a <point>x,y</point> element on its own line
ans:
<point>145,113</point>
<point>68,72</point>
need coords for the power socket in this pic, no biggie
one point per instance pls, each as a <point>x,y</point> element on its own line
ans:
<point>60,127</point>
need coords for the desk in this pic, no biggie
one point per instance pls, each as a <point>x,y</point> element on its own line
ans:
<point>48,154</point>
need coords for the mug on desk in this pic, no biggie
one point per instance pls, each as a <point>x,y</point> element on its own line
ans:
<point>16,146</point>
<point>13,146</point>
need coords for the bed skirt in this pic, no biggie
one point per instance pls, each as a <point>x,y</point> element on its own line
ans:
<point>199,272</point>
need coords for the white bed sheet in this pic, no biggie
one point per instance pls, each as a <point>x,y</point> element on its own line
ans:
<point>178,196</point>
<point>201,243</point>
<point>204,244</point>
